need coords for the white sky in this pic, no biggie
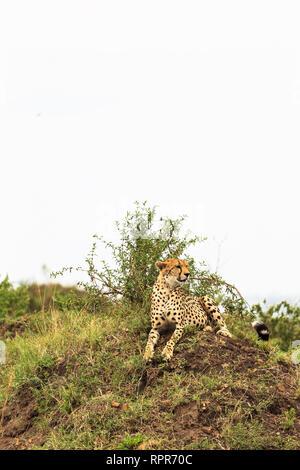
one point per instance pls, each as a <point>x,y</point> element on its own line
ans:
<point>193,106</point>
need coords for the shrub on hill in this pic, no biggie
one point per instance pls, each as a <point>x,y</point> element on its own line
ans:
<point>145,238</point>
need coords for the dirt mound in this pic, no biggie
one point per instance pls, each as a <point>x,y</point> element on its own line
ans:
<point>230,385</point>
<point>249,367</point>
<point>18,422</point>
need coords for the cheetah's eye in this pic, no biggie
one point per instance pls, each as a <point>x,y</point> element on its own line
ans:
<point>178,266</point>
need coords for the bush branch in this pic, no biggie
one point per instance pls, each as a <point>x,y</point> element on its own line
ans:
<point>215,280</point>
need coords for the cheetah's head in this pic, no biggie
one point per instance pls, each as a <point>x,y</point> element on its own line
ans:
<point>174,271</point>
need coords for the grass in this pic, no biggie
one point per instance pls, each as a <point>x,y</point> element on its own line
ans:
<point>131,442</point>
<point>287,419</point>
<point>243,436</point>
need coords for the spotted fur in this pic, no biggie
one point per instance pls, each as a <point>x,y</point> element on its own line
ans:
<point>171,306</point>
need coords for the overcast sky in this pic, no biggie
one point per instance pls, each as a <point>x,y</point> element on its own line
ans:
<point>193,106</point>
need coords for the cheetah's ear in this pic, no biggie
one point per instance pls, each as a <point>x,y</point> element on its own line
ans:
<point>160,264</point>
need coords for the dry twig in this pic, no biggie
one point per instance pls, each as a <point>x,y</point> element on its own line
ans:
<point>215,280</point>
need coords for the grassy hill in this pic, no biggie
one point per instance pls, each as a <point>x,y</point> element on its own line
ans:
<point>76,380</point>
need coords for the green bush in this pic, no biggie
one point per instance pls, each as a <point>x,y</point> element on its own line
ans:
<point>26,299</point>
<point>46,296</point>
<point>14,303</point>
<point>145,238</point>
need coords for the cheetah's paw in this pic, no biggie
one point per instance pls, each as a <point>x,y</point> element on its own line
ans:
<point>167,354</point>
<point>148,356</point>
<point>208,328</point>
<point>224,332</point>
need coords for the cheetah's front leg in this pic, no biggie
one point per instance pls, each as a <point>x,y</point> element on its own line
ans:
<point>169,348</point>
<point>152,340</point>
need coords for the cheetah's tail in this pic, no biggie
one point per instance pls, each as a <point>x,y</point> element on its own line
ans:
<point>261,329</point>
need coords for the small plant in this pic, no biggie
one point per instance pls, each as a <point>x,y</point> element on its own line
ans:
<point>131,442</point>
<point>69,397</point>
<point>287,418</point>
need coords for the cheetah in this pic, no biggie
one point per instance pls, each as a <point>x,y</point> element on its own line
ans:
<point>172,306</point>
